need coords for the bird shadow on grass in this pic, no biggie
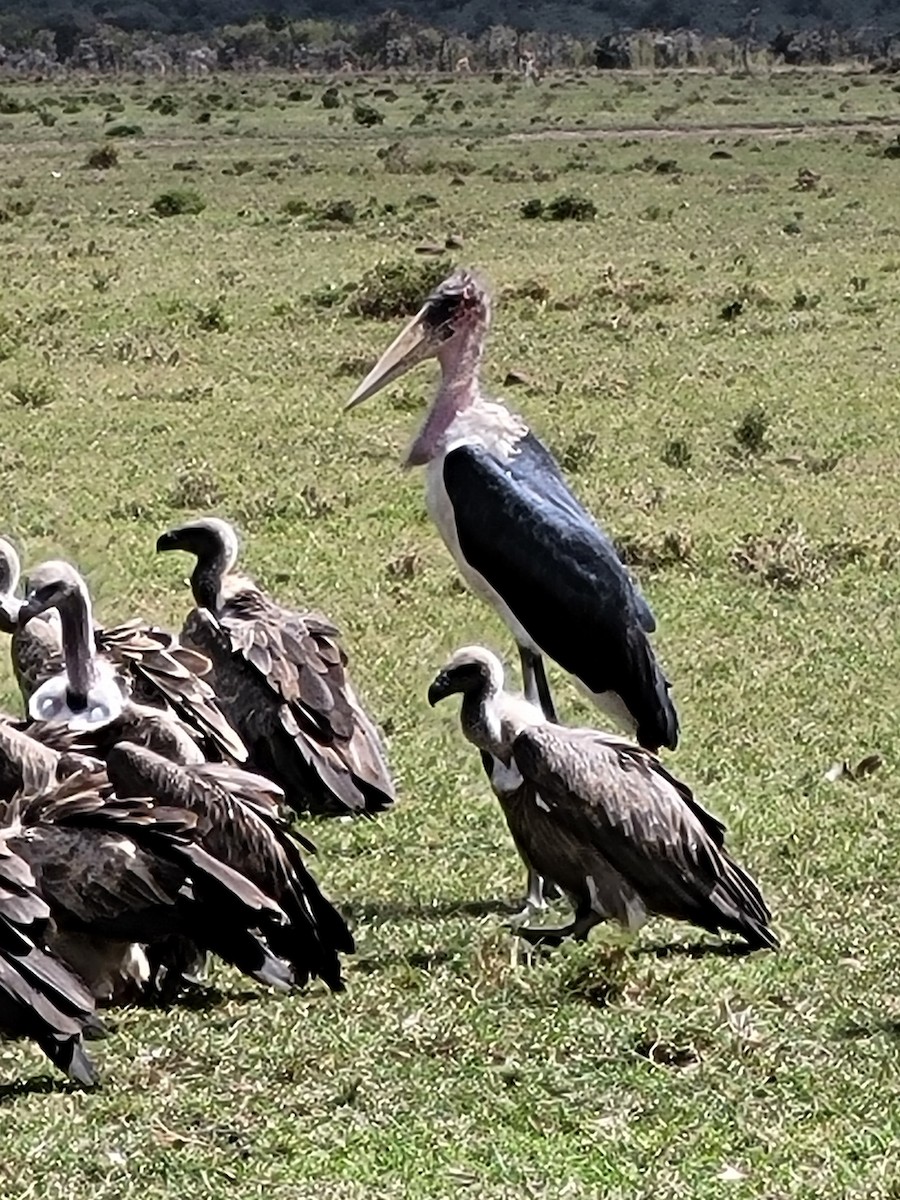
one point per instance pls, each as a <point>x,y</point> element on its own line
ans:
<point>422,960</point>
<point>423,910</point>
<point>201,997</point>
<point>853,1031</point>
<point>38,1085</point>
<point>699,950</point>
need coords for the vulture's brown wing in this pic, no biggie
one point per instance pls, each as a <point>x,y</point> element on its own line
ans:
<point>282,678</point>
<point>40,997</point>
<point>162,671</point>
<point>135,871</point>
<point>646,825</point>
<point>25,763</point>
<point>237,826</point>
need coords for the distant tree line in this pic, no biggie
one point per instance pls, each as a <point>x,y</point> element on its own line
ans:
<point>114,37</point>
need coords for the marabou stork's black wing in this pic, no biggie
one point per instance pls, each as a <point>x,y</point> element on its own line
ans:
<point>521,528</point>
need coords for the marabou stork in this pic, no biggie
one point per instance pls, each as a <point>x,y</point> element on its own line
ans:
<point>601,817</point>
<point>519,537</point>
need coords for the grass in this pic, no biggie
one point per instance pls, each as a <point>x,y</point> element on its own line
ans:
<point>741,446</point>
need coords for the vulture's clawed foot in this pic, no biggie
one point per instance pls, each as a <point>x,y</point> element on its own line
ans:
<point>537,935</point>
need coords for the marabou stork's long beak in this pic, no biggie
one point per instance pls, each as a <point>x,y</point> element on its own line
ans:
<point>418,341</point>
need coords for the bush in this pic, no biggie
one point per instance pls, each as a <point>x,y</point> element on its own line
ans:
<point>178,202</point>
<point>123,131</point>
<point>365,114</point>
<point>397,289</point>
<point>340,212</point>
<point>569,207</point>
<point>102,158</point>
<point>295,206</point>
<point>165,104</point>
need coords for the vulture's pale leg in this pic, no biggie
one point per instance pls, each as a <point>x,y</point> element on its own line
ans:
<point>585,920</point>
<point>536,896</point>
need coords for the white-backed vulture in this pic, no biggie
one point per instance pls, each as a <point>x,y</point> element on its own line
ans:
<point>128,872</point>
<point>238,822</point>
<point>40,997</point>
<point>281,677</point>
<point>602,818</point>
<point>166,701</point>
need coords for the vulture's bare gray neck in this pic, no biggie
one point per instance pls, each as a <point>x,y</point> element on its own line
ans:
<point>78,646</point>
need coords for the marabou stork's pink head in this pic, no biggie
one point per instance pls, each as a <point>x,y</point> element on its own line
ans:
<point>450,326</point>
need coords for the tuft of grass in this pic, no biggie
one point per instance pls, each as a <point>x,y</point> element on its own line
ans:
<point>751,434</point>
<point>785,560</point>
<point>34,393</point>
<point>178,202</point>
<point>335,212</point>
<point>195,487</point>
<point>367,114</point>
<point>566,207</point>
<point>671,548</point>
<point>677,453</point>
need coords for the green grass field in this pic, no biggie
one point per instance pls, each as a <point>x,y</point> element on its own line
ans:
<point>714,357</point>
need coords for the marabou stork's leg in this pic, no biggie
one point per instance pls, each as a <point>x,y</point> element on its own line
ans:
<point>537,691</point>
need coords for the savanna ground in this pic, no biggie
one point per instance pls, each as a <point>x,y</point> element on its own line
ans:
<point>714,359</point>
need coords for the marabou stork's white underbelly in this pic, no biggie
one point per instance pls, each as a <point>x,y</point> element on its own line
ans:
<point>440,510</point>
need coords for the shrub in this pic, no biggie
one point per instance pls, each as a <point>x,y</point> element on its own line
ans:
<point>102,158</point>
<point>123,131</point>
<point>365,114</point>
<point>566,207</point>
<point>570,207</point>
<point>165,104</point>
<point>397,289</point>
<point>178,202</point>
<point>295,206</point>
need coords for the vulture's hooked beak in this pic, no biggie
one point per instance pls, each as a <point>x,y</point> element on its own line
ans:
<point>442,686</point>
<point>168,541</point>
<point>36,603</point>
